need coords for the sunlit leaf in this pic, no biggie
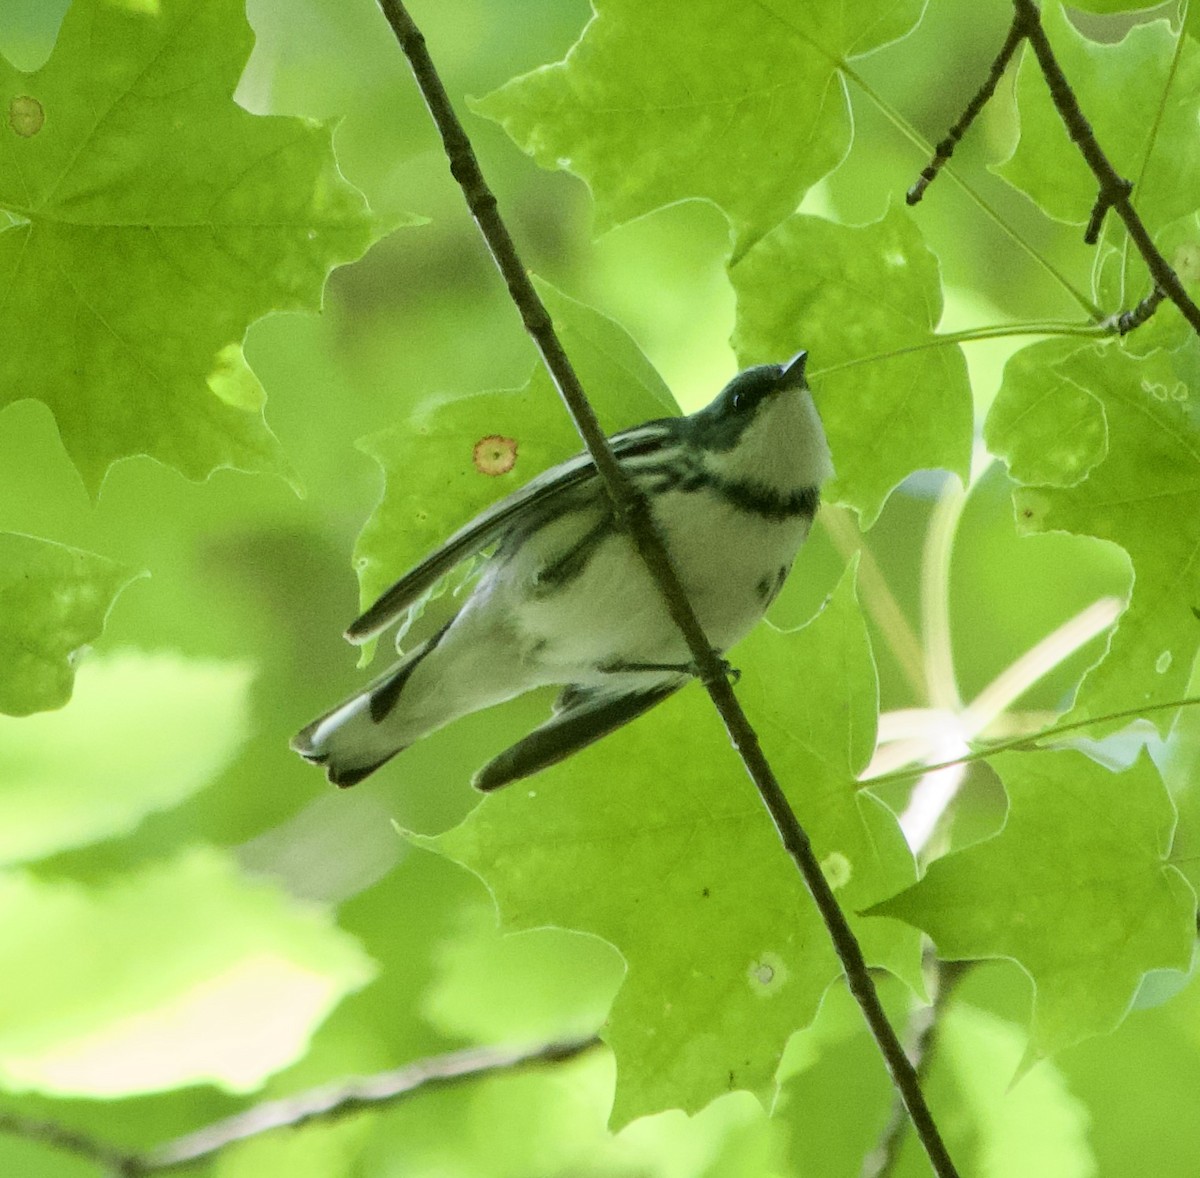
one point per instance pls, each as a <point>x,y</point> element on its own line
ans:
<point>194,974</point>
<point>1076,888</point>
<point>142,733</point>
<point>865,303</point>
<point>741,104</point>
<point>1141,491</point>
<point>655,840</point>
<point>53,602</point>
<point>154,221</point>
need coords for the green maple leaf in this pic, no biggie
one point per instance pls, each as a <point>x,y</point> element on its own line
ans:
<point>655,840</point>
<point>1075,888</point>
<point>865,303</point>
<point>53,602</point>
<point>487,445</point>
<point>741,104</point>
<point>1142,97</point>
<point>1111,443</point>
<point>72,777</point>
<point>151,221</point>
<point>163,948</point>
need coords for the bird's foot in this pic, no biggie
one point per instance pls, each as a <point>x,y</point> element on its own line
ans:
<point>728,670</point>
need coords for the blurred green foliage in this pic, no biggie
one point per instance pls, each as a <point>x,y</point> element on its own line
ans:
<point>195,923</point>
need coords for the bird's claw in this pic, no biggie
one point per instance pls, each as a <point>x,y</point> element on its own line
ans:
<point>727,670</point>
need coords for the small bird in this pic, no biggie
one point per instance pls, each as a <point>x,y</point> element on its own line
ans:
<point>565,599</point>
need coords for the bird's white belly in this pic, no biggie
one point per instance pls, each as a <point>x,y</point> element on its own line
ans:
<point>730,563</point>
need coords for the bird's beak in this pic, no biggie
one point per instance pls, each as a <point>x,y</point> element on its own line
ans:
<point>793,372</point>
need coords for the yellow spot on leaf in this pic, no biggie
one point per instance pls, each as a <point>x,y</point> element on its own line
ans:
<point>25,116</point>
<point>495,455</point>
<point>837,869</point>
<point>767,975</point>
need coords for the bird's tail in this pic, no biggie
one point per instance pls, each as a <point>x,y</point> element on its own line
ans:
<point>361,734</point>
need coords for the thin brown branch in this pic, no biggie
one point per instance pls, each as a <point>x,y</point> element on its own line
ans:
<point>632,509</point>
<point>1115,190</point>
<point>1126,321</point>
<point>945,149</point>
<point>334,1101</point>
<point>330,1102</point>
<point>922,1034</point>
<point>1104,201</point>
<point>72,1141</point>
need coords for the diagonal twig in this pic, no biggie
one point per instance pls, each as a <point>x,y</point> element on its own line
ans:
<point>945,149</point>
<point>923,1031</point>
<point>1114,189</point>
<point>631,508</point>
<point>1126,321</point>
<point>347,1097</point>
<point>329,1102</point>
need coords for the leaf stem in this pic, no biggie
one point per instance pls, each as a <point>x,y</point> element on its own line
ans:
<point>631,508</point>
<point>935,597</point>
<point>975,334</point>
<point>913,136</point>
<point>1030,741</point>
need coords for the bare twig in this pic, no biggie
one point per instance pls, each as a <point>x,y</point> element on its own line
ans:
<point>632,509</point>
<point>1114,190</point>
<point>327,1103</point>
<point>945,149</point>
<point>81,1145</point>
<point>347,1097</point>
<point>1126,321</point>
<point>922,1034</point>
<point>1104,201</point>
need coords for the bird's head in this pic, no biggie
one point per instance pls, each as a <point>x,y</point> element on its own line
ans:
<point>763,426</point>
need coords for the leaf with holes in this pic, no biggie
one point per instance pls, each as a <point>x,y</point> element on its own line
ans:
<point>656,841</point>
<point>1131,426</point>
<point>1076,888</point>
<point>486,445</point>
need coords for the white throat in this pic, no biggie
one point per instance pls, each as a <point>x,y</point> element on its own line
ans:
<point>782,449</point>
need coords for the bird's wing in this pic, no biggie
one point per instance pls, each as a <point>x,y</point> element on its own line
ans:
<point>541,495</point>
<point>586,717</point>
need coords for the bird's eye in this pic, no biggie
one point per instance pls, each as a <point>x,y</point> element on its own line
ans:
<point>739,401</point>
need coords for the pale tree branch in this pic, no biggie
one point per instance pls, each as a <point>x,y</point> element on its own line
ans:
<point>330,1102</point>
